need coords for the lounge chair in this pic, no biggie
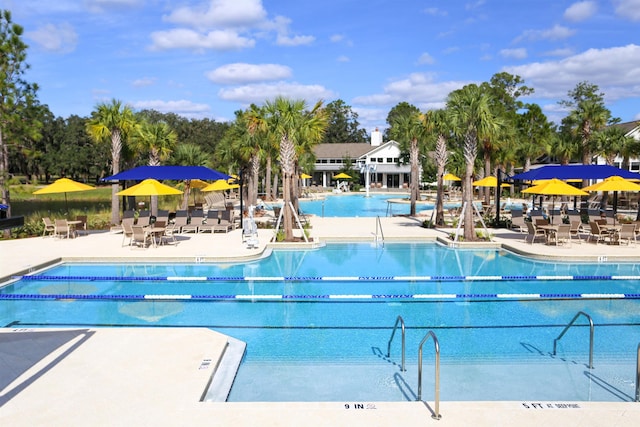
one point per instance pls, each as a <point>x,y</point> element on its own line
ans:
<point>210,223</point>
<point>226,222</point>
<point>517,221</point>
<point>62,229</point>
<point>49,227</point>
<point>181,219</point>
<point>194,223</point>
<point>533,232</point>
<point>140,237</point>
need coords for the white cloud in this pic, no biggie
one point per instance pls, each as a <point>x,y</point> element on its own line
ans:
<point>434,11</point>
<point>628,9</point>
<point>285,40</point>
<point>99,6</point>
<point>335,38</point>
<point>181,38</point>
<point>181,107</point>
<point>343,58</point>
<point>419,89</point>
<point>615,70</point>
<point>580,11</point>
<point>145,81</point>
<point>242,73</point>
<point>557,32</point>
<point>60,39</point>
<point>220,14</point>
<point>560,52</point>
<point>519,53</point>
<point>425,58</point>
<point>259,93</point>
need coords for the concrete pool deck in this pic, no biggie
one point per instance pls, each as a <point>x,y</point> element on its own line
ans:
<point>135,376</point>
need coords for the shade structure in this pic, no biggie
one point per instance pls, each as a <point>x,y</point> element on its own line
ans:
<point>220,185</point>
<point>575,172</point>
<point>305,176</point>
<point>175,173</point>
<point>149,187</point>
<point>489,181</point>
<point>198,183</point>
<point>64,185</point>
<point>342,175</point>
<point>451,177</point>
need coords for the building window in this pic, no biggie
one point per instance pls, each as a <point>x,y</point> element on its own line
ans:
<point>372,160</point>
<point>380,160</point>
<point>389,160</point>
<point>634,166</point>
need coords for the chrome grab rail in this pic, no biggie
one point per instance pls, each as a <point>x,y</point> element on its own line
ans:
<point>399,319</point>
<point>638,375</point>
<point>436,414</point>
<point>379,227</point>
<point>580,313</point>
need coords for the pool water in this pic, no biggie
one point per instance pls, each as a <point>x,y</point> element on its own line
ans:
<point>317,323</point>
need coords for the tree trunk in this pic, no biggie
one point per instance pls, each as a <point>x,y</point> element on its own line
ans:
<point>415,175</point>
<point>487,172</point>
<point>287,161</point>
<point>470,154</point>
<point>441,156</point>
<point>4,174</point>
<point>116,149</point>
<point>267,189</point>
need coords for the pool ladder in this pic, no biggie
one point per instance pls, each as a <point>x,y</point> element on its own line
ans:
<point>436,408</point>
<point>401,321</point>
<point>379,228</point>
<point>580,313</point>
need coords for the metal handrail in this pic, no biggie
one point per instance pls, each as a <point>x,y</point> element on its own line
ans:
<point>638,375</point>
<point>399,319</point>
<point>436,414</point>
<point>580,313</point>
<point>379,227</point>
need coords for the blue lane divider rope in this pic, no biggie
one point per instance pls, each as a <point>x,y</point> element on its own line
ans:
<point>322,278</point>
<point>272,297</point>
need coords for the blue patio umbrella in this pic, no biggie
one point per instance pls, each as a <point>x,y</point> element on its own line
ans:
<point>564,172</point>
<point>176,173</point>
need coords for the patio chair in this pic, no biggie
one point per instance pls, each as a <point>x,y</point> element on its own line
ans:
<point>140,237</point>
<point>517,221</point>
<point>627,232</point>
<point>49,227</point>
<point>576,229</point>
<point>144,218</point>
<point>127,230</point>
<point>62,229</point>
<point>533,232</point>
<point>83,224</point>
<point>562,235</point>
<point>170,233</point>
<point>595,232</point>
<point>163,215</point>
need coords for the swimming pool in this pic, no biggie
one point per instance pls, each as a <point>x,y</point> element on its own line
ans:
<point>317,322</point>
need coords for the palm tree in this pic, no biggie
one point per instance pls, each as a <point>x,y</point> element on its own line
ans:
<point>158,139</point>
<point>289,121</point>
<point>436,122</point>
<point>472,120</point>
<point>115,122</point>
<point>408,129</point>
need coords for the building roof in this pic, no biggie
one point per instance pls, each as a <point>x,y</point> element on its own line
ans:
<point>628,126</point>
<point>338,151</point>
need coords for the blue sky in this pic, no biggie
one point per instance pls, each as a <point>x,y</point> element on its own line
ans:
<point>209,58</point>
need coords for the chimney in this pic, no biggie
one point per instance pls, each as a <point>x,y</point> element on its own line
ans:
<point>376,138</point>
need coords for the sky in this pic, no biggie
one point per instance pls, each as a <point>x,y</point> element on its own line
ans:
<point>210,58</point>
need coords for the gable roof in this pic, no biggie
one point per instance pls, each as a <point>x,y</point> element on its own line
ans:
<point>373,150</point>
<point>628,127</point>
<point>340,150</point>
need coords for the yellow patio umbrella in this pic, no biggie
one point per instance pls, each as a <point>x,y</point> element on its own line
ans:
<point>614,183</point>
<point>198,183</point>
<point>306,176</point>
<point>489,181</point>
<point>220,185</point>
<point>555,187</point>
<point>451,177</point>
<point>64,185</point>
<point>149,187</point>
<point>342,175</point>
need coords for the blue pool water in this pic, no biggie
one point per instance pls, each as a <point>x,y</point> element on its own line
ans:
<point>317,322</point>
